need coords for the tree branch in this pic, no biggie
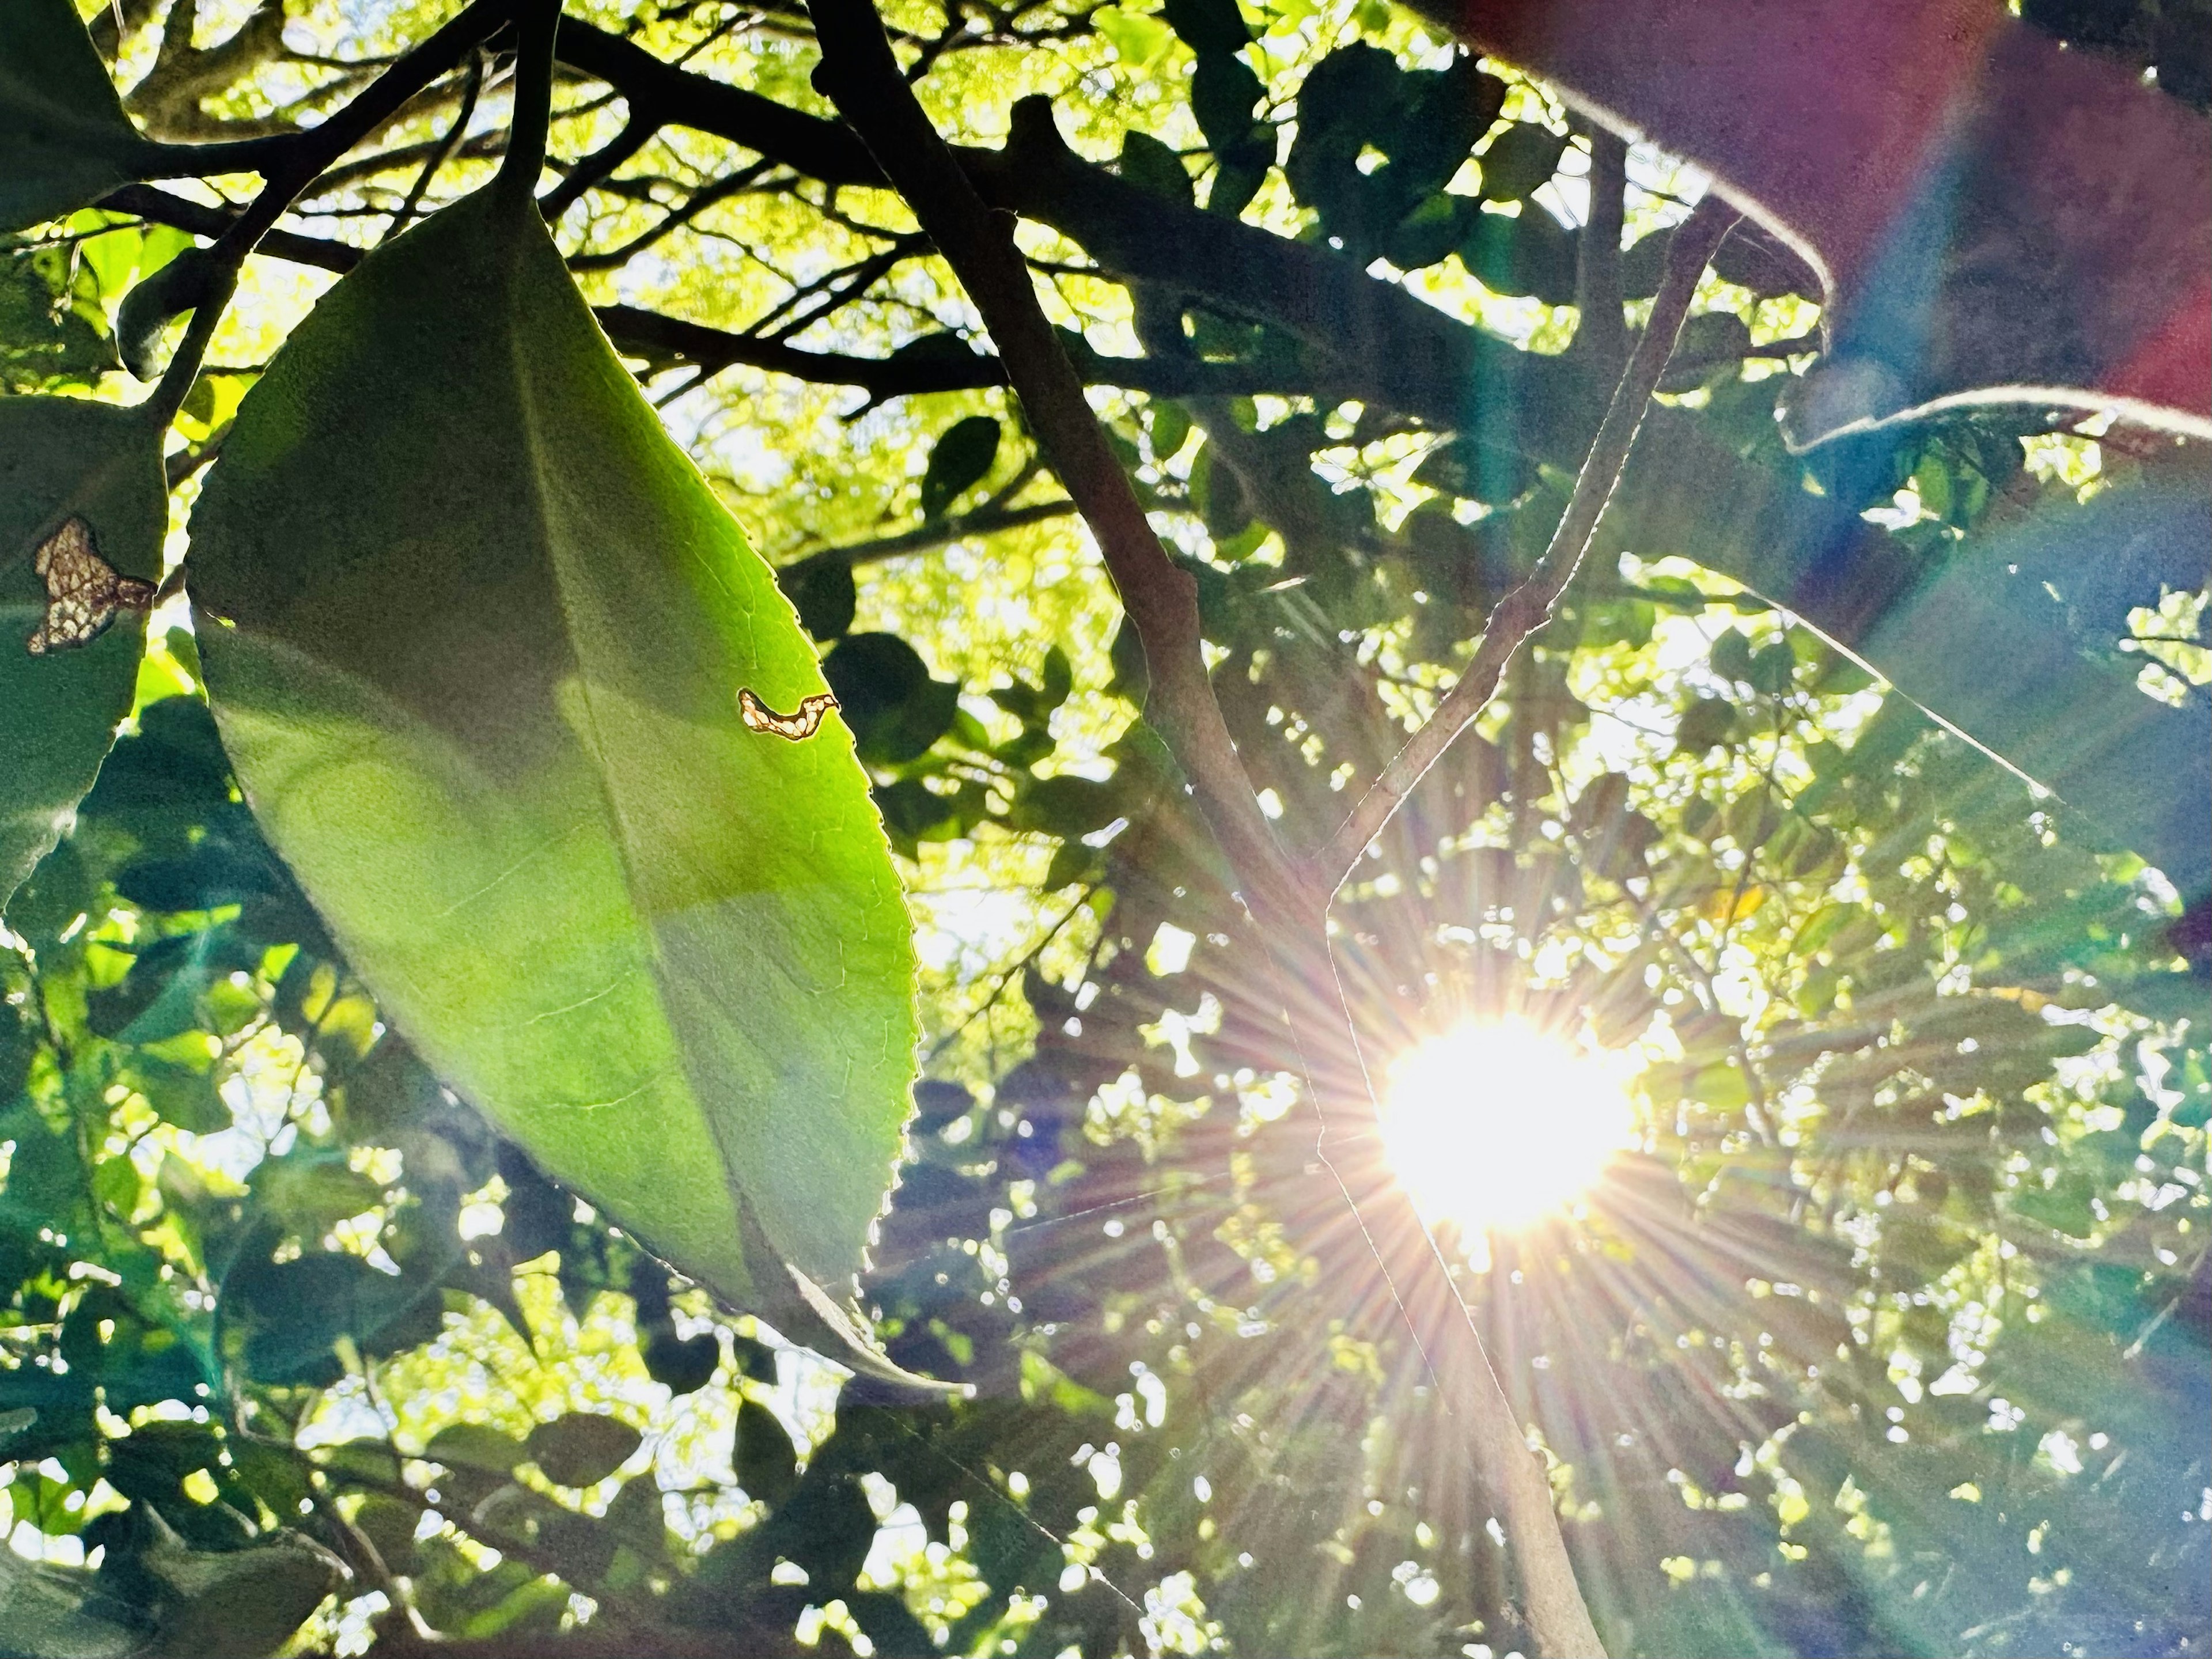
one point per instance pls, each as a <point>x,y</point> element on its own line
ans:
<point>1601,331</point>
<point>316,151</point>
<point>443,153</point>
<point>939,532</point>
<point>1529,606</point>
<point>660,338</point>
<point>1380,342</point>
<point>593,169</point>
<point>861,74</point>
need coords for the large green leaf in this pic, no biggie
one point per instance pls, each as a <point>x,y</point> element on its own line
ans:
<point>63,459</point>
<point>474,630</point>
<point>64,140</point>
<point>170,1600</point>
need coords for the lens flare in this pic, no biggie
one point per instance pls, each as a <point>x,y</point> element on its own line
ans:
<point>1491,1127</point>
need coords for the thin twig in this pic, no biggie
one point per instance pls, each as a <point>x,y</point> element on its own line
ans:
<point>593,169</point>
<point>985,520</point>
<point>315,152</point>
<point>1529,606</point>
<point>443,153</point>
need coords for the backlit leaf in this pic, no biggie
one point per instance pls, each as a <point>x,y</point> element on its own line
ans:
<point>485,704</point>
<point>64,461</point>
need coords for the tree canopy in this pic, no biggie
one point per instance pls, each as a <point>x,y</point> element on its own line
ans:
<point>714,833</point>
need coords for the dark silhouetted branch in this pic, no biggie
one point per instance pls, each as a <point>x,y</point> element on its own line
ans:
<point>1529,606</point>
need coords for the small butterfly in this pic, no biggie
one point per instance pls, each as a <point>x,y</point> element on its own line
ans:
<point>84,593</point>
<point>801,723</point>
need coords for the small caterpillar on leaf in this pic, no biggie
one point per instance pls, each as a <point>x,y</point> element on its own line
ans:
<point>800,724</point>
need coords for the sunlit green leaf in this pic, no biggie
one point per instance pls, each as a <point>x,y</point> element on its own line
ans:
<point>485,702</point>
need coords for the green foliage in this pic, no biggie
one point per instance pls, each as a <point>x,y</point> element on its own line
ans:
<point>958,463</point>
<point>48,335</point>
<point>62,461</point>
<point>1890,1336</point>
<point>728,959</point>
<point>63,132</point>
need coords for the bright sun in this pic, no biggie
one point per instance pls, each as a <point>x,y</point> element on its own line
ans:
<point>1493,1125</point>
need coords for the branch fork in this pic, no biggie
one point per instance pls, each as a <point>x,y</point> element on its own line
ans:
<point>1287,897</point>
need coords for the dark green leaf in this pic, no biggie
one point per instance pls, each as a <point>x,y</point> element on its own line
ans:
<point>1167,425</point>
<point>1224,92</point>
<point>895,709</point>
<point>182,1094</point>
<point>1131,677</point>
<point>754,1359</point>
<point>884,1620</point>
<point>1772,669</point>
<point>682,1364</point>
<point>283,1319</point>
<point>45,340</point>
<point>827,1527</point>
<point>1145,161</point>
<point>1058,679</point>
<point>1338,118</point>
<point>62,126</point>
<point>515,645</point>
<point>66,462</point>
<point>583,1448</point>
<point>1644,265</point>
<point>1446,112</point>
<point>958,463</point>
<point>823,592</point>
<point>1707,721</point>
<point>1207,26</point>
<point>475,1446</point>
<point>1479,471</point>
<point>1529,254</point>
<point>766,1462</point>
<point>1731,655</point>
<point>178,288</point>
<point>1235,184</point>
<point>1519,160</point>
<point>389,1525</point>
<point>1430,231</point>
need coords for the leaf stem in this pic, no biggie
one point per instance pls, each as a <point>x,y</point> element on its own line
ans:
<point>532,120</point>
